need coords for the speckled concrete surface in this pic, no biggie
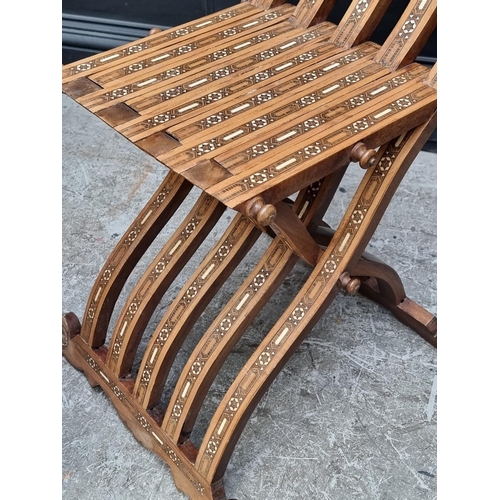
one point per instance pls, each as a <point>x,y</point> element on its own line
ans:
<point>352,415</point>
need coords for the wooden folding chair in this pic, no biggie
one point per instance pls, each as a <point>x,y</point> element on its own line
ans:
<point>262,106</point>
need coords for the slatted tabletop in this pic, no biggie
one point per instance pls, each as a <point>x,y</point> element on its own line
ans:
<point>252,101</point>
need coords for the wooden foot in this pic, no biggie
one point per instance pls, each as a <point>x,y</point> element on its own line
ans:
<point>381,283</point>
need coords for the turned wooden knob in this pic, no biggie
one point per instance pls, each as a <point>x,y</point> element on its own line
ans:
<point>153,31</point>
<point>258,210</point>
<point>351,285</point>
<point>366,157</point>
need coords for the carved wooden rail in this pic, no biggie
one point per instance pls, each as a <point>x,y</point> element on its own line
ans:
<point>263,106</point>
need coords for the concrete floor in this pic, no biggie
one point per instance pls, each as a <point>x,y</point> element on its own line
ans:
<point>352,415</point>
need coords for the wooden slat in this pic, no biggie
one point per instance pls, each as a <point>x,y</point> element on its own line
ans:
<point>432,78</point>
<point>359,22</point>
<point>409,35</point>
<point>310,12</point>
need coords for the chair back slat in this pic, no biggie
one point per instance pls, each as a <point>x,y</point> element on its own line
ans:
<point>266,4</point>
<point>409,35</point>
<point>431,79</point>
<point>310,12</point>
<point>359,22</point>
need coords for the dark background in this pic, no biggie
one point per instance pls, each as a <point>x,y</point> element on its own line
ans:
<point>91,26</point>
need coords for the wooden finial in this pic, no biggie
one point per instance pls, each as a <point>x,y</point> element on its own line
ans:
<point>153,31</point>
<point>258,210</point>
<point>366,157</point>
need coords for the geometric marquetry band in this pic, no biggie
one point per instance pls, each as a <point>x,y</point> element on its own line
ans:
<point>142,418</point>
<point>347,28</point>
<point>419,11</point>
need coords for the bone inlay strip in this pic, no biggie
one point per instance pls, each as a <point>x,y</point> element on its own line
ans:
<point>153,355</point>
<point>400,140</point>
<point>286,136</point>
<point>125,323</point>
<point>222,425</point>
<point>383,113</point>
<point>344,242</point>
<point>109,58</point>
<point>159,58</point>
<point>147,82</point>
<point>304,208</point>
<point>186,108</point>
<point>241,45</point>
<point>286,163</point>
<point>186,389</point>
<point>283,66</point>
<point>377,91</point>
<point>146,217</point>
<point>329,89</point>
<point>199,82</point>
<point>282,335</point>
<point>234,134</point>
<point>242,301</point>
<point>156,437</point>
<point>239,108</point>
<point>207,272</point>
<point>175,247</point>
